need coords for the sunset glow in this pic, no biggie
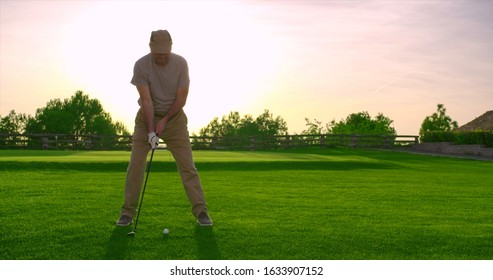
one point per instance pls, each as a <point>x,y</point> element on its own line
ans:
<point>298,59</point>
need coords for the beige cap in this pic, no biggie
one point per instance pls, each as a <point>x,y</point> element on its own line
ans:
<point>160,41</point>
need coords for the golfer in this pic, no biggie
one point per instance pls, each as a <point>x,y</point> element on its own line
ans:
<point>162,81</point>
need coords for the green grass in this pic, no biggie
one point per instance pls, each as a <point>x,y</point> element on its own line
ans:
<point>302,205</point>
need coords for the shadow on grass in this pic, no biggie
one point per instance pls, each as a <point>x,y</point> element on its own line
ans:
<point>118,244</point>
<point>207,248</point>
<point>202,166</point>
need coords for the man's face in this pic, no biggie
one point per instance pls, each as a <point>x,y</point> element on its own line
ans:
<point>161,59</point>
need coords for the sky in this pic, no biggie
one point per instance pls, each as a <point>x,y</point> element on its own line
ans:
<point>320,60</point>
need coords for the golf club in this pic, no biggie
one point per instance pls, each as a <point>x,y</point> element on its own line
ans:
<point>132,233</point>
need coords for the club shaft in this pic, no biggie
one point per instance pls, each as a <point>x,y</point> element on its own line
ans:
<point>143,191</point>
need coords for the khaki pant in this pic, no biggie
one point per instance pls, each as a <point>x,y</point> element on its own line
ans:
<point>176,137</point>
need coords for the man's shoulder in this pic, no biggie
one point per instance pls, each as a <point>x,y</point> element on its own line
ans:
<point>145,59</point>
<point>178,58</point>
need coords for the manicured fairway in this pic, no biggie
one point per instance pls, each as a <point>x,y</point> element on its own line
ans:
<point>303,205</point>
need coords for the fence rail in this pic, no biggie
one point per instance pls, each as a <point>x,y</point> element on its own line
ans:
<point>124,142</point>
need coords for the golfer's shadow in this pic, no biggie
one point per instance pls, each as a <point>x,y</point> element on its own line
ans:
<point>207,248</point>
<point>118,244</point>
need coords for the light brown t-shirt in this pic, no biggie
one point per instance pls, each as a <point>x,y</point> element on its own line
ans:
<point>163,82</point>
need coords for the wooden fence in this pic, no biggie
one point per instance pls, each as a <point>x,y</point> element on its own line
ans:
<point>123,142</point>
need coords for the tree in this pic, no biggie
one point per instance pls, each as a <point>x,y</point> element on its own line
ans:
<point>362,123</point>
<point>267,125</point>
<point>315,127</point>
<point>236,132</point>
<point>13,123</point>
<point>78,115</point>
<point>234,125</point>
<point>438,121</point>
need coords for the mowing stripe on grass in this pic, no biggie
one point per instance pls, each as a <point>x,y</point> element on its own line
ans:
<point>312,204</point>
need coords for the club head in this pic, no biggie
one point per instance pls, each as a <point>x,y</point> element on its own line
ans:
<point>132,233</point>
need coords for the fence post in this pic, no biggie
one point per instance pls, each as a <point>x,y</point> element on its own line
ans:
<point>354,140</point>
<point>45,143</point>
<point>286,143</point>
<point>387,141</point>
<point>252,143</point>
<point>322,140</point>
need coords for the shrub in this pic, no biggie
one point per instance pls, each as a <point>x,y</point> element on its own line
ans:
<point>460,137</point>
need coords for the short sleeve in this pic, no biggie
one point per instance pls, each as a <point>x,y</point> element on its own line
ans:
<point>184,78</point>
<point>139,78</point>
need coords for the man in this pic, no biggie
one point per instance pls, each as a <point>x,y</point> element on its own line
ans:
<point>162,81</point>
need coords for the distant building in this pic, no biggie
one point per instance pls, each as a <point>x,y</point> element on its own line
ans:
<point>483,122</point>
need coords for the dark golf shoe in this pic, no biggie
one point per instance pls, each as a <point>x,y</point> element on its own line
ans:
<point>204,220</point>
<point>124,221</point>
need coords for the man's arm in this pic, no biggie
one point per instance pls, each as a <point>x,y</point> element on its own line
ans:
<point>147,107</point>
<point>181,100</point>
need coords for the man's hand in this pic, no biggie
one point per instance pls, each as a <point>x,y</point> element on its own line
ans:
<point>161,125</point>
<point>153,140</point>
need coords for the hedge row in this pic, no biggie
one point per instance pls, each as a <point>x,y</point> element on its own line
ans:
<point>460,137</point>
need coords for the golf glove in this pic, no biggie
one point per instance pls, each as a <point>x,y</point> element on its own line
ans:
<point>153,140</point>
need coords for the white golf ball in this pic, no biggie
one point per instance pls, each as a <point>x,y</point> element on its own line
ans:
<point>165,231</point>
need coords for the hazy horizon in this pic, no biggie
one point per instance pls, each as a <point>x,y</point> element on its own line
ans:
<point>298,59</point>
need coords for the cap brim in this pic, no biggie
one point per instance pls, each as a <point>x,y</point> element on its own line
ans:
<point>160,49</point>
